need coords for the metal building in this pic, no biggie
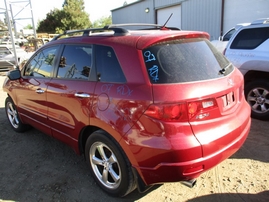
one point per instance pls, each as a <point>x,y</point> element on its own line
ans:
<point>213,16</point>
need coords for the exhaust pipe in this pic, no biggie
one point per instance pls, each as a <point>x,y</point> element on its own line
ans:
<point>189,183</point>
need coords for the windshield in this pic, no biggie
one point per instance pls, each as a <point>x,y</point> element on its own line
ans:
<point>185,60</point>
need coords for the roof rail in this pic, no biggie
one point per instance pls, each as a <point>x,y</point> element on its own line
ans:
<point>117,28</point>
<point>260,21</point>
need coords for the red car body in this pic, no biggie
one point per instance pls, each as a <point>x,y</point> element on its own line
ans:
<point>169,132</point>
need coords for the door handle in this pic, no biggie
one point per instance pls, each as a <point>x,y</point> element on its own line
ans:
<point>39,91</point>
<point>82,95</point>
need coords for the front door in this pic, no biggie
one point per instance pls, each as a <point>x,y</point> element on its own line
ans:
<point>32,93</point>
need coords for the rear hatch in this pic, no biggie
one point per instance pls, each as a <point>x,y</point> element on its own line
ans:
<point>193,82</point>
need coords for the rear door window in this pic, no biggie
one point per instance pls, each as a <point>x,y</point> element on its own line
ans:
<point>185,60</point>
<point>75,62</point>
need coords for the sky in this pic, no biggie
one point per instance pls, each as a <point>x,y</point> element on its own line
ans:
<point>95,8</point>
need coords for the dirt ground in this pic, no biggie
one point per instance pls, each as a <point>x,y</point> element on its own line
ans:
<point>35,167</point>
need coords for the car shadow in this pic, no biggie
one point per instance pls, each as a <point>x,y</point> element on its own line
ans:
<point>229,197</point>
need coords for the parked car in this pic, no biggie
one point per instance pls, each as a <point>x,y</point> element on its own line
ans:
<point>144,106</point>
<point>223,40</point>
<point>248,50</point>
<point>7,56</point>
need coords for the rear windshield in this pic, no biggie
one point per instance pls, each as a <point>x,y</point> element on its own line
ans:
<point>185,60</point>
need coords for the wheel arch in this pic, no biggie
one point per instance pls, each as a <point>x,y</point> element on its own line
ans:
<point>254,75</point>
<point>85,134</point>
<point>88,130</point>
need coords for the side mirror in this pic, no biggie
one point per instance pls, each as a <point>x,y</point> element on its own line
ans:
<point>14,74</point>
<point>221,38</point>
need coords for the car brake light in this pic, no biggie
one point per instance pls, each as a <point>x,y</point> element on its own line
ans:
<point>182,111</point>
<point>168,112</point>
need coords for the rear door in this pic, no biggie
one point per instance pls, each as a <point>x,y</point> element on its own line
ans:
<point>70,93</point>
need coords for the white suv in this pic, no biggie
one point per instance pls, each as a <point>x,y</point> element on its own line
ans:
<point>248,50</point>
<point>223,40</point>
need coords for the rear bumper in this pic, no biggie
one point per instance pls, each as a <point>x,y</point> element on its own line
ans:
<point>175,172</point>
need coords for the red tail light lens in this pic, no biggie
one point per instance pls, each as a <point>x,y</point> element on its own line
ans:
<point>169,112</point>
<point>181,112</point>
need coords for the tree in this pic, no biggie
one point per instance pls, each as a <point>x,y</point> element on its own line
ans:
<point>72,16</point>
<point>52,23</point>
<point>28,27</point>
<point>101,22</point>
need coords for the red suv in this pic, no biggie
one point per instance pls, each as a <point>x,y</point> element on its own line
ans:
<point>144,106</point>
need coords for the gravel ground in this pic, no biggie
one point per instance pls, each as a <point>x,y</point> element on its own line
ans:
<point>35,167</point>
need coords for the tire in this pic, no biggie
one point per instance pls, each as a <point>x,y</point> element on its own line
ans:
<point>108,165</point>
<point>13,117</point>
<point>257,95</point>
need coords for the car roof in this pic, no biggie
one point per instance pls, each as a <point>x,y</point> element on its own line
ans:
<point>260,21</point>
<point>140,38</point>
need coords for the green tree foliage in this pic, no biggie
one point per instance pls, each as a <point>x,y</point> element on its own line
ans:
<point>101,22</point>
<point>28,27</point>
<point>52,22</point>
<point>74,15</point>
<point>71,16</point>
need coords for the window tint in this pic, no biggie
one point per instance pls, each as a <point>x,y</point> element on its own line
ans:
<point>250,38</point>
<point>42,64</point>
<point>108,66</point>
<point>75,62</point>
<point>185,60</point>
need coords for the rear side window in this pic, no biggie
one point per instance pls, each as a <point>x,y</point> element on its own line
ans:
<point>250,38</point>
<point>185,60</point>
<point>108,66</point>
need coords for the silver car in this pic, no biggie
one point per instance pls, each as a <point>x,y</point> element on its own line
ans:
<point>248,50</point>
<point>7,56</point>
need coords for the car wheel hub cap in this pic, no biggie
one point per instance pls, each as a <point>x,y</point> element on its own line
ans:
<point>105,165</point>
<point>258,99</point>
<point>12,115</point>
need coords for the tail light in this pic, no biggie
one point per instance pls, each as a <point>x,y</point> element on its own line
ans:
<point>201,109</point>
<point>181,111</point>
<point>168,112</point>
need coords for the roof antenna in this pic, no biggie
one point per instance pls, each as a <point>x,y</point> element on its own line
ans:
<point>166,21</point>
